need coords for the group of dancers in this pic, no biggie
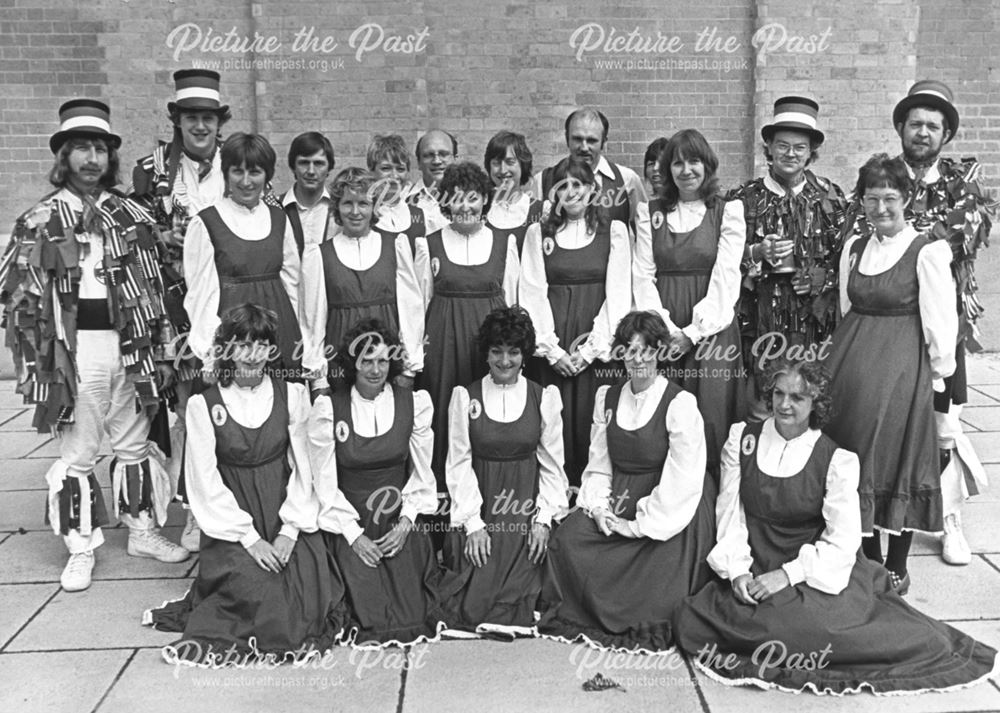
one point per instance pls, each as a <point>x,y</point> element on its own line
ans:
<point>498,404</point>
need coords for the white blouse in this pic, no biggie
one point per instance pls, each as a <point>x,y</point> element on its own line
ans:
<point>715,311</point>
<point>472,250</point>
<point>197,194</point>
<point>533,290</point>
<point>359,254</point>
<point>371,418</point>
<point>936,298</point>
<point>425,199</point>
<point>202,299</point>
<point>668,509</point>
<point>394,217</point>
<point>825,565</point>
<point>213,504</point>
<point>314,218</point>
<point>505,404</point>
<point>508,215</point>
<point>92,258</point>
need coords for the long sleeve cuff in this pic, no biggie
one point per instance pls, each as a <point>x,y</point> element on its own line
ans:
<point>795,571</point>
<point>289,531</point>
<point>352,532</point>
<point>693,333</point>
<point>633,525</point>
<point>250,539</point>
<point>409,510</point>
<point>544,517</point>
<point>554,354</point>
<point>474,524</point>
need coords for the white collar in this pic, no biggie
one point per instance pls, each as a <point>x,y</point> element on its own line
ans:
<point>807,438</point>
<point>933,174</point>
<point>289,197</point>
<point>778,189</point>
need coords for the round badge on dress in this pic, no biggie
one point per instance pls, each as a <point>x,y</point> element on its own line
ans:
<point>475,409</point>
<point>548,246</point>
<point>435,266</point>
<point>99,272</point>
<point>657,219</point>
<point>219,415</point>
<point>748,443</point>
<point>342,431</point>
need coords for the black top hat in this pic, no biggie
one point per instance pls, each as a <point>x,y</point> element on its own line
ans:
<point>84,117</point>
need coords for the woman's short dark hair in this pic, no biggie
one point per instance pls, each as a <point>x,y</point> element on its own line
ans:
<point>59,175</point>
<point>816,379</point>
<point>572,167</point>
<point>310,143</point>
<point>459,179</point>
<point>654,150</point>
<point>251,150</point>
<point>884,171</point>
<point>497,149</point>
<point>360,339</point>
<point>354,179</point>
<point>507,325</point>
<point>689,144</point>
<point>243,323</point>
<point>647,324</point>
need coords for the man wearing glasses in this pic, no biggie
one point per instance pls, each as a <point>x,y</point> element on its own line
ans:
<point>436,150</point>
<point>794,220</point>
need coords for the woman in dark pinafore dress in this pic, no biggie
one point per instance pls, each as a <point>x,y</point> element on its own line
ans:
<point>621,564</point>
<point>897,339</point>
<point>505,479</point>
<point>576,284</point>
<point>371,450</point>
<point>265,582</point>
<point>799,608</point>
<point>475,270</point>
<point>360,272</point>
<point>513,209</point>
<point>241,251</point>
<point>686,266</point>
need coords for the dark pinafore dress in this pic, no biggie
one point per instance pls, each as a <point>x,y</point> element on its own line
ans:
<point>883,400</point>
<point>233,600</point>
<point>684,263</point>
<point>577,280</point>
<point>519,232</point>
<point>864,637</point>
<point>403,599</point>
<point>353,295</point>
<point>618,592</point>
<point>463,296</point>
<point>250,271</point>
<point>505,459</point>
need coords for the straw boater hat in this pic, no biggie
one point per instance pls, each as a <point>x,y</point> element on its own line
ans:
<point>84,117</point>
<point>794,114</point>
<point>933,95</point>
<point>197,90</point>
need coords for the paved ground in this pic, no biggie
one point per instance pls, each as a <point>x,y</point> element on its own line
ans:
<point>86,652</point>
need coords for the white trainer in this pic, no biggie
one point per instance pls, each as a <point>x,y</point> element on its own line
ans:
<point>191,536</point>
<point>150,543</point>
<point>76,575</point>
<point>954,547</point>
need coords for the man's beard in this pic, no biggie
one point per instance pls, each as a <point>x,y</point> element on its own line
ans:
<point>927,159</point>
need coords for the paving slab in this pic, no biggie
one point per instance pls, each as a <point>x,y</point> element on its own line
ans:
<point>18,603</point>
<point>540,675</point>
<point>8,398</point>
<point>979,517</point>
<point>8,416</point>
<point>984,418</point>
<point>978,397</point>
<point>987,446</point>
<point>25,444</point>
<point>58,682</point>
<point>345,681</point>
<point>109,614</point>
<point>731,699</point>
<point>25,510</point>
<point>990,389</point>
<point>945,592</point>
<point>986,631</point>
<point>983,369</point>
<point>41,556</point>
<point>23,473</point>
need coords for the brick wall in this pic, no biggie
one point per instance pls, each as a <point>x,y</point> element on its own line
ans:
<point>511,64</point>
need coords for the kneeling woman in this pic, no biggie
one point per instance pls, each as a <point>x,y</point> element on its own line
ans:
<point>371,452</point>
<point>801,609</point>
<point>265,583</point>
<point>621,564</point>
<point>505,479</point>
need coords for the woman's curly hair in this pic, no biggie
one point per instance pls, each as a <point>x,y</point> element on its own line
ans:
<point>817,380</point>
